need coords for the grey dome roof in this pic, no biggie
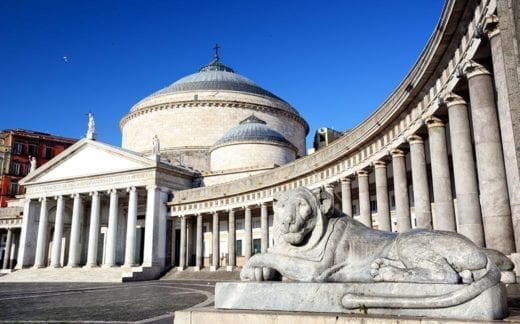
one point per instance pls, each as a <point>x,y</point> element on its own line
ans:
<point>252,129</point>
<point>215,76</point>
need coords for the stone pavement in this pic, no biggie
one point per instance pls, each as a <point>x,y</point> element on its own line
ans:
<point>73,302</point>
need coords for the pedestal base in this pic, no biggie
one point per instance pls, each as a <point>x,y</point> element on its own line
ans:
<point>326,298</point>
<point>224,316</point>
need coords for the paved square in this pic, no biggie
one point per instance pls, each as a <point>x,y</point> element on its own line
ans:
<point>100,302</point>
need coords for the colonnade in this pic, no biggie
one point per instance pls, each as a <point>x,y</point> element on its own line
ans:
<point>228,215</point>
<point>89,214</point>
<point>479,203</point>
<point>10,247</point>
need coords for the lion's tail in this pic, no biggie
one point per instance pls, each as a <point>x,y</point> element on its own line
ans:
<point>457,297</point>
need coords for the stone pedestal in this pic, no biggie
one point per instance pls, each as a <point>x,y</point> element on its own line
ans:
<point>327,298</point>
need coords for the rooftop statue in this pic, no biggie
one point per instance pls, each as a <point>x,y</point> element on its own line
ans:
<point>156,146</point>
<point>314,242</point>
<point>91,127</point>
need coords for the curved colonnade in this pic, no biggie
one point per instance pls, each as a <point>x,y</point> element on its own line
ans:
<point>432,155</point>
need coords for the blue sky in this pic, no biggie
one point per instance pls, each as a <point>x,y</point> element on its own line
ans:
<point>334,61</point>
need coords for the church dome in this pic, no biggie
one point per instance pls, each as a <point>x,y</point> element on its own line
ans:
<point>252,129</point>
<point>195,112</point>
<point>214,76</point>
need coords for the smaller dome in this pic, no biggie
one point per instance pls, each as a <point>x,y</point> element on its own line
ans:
<point>252,129</point>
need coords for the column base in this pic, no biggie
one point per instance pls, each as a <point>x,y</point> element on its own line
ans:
<point>213,268</point>
<point>38,267</point>
<point>90,266</point>
<point>196,268</point>
<point>55,266</point>
<point>231,268</point>
<point>181,268</point>
<point>6,270</point>
<point>109,266</point>
<point>133,265</point>
<point>73,266</point>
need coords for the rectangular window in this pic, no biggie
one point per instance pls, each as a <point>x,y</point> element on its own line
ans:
<point>257,246</point>
<point>239,248</point>
<point>17,148</point>
<point>49,152</point>
<point>27,168</point>
<point>15,168</point>
<point>13,190</point>
<point>33,150</point>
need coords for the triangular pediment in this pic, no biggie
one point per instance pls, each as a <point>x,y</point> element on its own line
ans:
<point>88,158</point>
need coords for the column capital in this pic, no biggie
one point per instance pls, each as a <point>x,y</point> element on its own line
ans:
<point>397,153</point>
<point>473,69</point>
<point>58,197</point>
<point>452,99</point>
<point>490,26</point>
<point>42,199</point>
<point>345,180</point>
<point>415,139</point>
<point>112,191</point>
<point>434,122</point>
<point>76,195</point>
<point>379,164</point>
<point>131,189</point>
<point>247,207</point>
<point>93,193</point>
<point>362,173</point>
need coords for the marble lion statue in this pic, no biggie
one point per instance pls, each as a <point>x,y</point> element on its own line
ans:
<point>314,242</point>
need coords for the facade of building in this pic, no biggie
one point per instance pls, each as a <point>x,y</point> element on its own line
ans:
<point>17,148</point>
<point>441,152</point>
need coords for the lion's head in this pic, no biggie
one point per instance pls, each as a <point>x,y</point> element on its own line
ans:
<point>299,212</point>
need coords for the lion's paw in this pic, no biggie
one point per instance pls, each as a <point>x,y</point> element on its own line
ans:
<point>256,274</point>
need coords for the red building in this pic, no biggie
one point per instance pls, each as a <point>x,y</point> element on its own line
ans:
<point>17,147</point>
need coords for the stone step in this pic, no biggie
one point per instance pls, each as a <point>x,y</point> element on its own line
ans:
<point>71,275</point>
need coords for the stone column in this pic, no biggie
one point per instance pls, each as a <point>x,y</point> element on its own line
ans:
<point>442,197</point>
<point>58,234</point>
<point>365,214</point>
<point>402,205</point>
<point>93,234</point>
<point>512,167</point>
<point>248,237</point>
<point>199,243</point>
<point>154,254</point>
<point>41,243</point>
<point>383,207</point>
<point>7,249</point>
<point>421,192</point>
<point>182,243</point>
<point>110,252</point>
<point>346,196</point>
<point>494,197</point>
<point>75,232</point>
<point>231,241</point>
<point>469,217</point>
<point>27,235</point>
<point>216,242</point>
<point>264,224</point>
<point>130,228</point>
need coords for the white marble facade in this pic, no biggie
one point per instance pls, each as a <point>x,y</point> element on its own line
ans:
<point>97,205</point>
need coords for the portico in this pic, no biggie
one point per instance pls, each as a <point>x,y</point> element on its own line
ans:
<point>98,206</point>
